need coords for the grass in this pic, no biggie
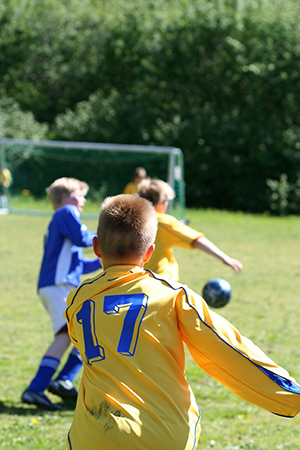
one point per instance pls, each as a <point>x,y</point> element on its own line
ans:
<point>264,307</point>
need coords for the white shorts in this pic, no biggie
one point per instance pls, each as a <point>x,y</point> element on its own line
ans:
<point>54,299</point>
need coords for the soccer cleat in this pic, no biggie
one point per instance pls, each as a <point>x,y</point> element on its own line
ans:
<point>39,399</point>
<point>64,388</point>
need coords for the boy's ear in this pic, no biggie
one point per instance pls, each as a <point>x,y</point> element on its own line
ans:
<point>63,198</point>
<point>162,207</point>
<point>149,253</point>
<point>96,247</point>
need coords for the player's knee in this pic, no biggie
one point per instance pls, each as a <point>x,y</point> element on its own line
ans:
<point>63,340</point>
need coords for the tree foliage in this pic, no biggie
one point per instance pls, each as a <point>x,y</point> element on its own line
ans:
<point>15,123</point>
<point>218,78</point>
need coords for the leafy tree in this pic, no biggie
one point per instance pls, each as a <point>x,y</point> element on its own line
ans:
<point>17,124</point>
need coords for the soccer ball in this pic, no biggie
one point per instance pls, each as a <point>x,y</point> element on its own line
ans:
<point>217,292</point>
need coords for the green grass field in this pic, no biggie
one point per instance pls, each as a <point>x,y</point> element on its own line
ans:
<point>264,307</point>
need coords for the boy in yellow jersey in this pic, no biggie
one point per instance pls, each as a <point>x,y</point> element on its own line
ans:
<point>173,233</point>
<point>5,182</point>
<point>139,175</point>
<point>130,326</point>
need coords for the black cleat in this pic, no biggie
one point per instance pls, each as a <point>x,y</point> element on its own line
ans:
<point>39,399</point>
<point>64,388</point>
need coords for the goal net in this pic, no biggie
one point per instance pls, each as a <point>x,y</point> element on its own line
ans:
<point>107,168</point>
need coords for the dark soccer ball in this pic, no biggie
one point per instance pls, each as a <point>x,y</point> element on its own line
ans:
<point>217,292</point>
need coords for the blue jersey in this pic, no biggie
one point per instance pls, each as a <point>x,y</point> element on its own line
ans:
<point>63,260</point>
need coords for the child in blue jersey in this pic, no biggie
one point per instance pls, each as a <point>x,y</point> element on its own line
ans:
<point>63,263</point>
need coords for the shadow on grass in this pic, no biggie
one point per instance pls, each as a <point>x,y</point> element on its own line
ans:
<point>11,408</point>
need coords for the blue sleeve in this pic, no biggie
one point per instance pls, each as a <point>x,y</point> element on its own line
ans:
<point>91,265</point>
<point>72,228</point>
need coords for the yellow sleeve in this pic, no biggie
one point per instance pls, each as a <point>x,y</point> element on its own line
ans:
<point>223,353</point>
<point>173,233</point>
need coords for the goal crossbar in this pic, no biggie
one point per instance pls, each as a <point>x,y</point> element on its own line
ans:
<point>174,154</point>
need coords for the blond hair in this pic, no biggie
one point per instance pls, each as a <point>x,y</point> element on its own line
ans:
<point>156,191</point>
<point>64,186</point>
<point>127,226</point>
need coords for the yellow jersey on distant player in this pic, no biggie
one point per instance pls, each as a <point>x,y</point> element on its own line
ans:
<point>171,233</point>
<point>129,326</point>
<point>131,188</point>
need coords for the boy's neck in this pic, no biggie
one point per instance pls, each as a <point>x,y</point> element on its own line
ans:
<point>132,260</point>
<point>162,207</point>
<point>107,265</point>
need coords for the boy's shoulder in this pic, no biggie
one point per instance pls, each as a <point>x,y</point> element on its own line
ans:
<point>85,290</point>
<point>66,211</point>
<point>166,219</point>
<point>175,285</point>
<point>170,222</point>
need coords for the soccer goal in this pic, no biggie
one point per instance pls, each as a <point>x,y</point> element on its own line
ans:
<point>107,168</point>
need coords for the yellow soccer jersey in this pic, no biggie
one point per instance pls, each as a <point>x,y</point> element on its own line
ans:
<point>130,188</point>
<point>171,233</point>
<point>129,326</point>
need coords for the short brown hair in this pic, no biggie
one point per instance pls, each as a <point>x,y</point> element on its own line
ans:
<point>139,173</point>
<point>64,186</point>
<point>127,226</point>
<point>156,191</point>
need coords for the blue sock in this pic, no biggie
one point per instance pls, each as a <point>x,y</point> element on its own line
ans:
<point>44,374</point>
<point>72,366</point>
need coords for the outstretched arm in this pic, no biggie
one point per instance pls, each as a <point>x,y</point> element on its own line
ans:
<point>204,244</point>
<point>222,352</point>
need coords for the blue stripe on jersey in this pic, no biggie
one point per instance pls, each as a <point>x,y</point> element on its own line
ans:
<point>69,441</point>
<point>173,284</point>
<point>284,383</point>
<point>195,429</point>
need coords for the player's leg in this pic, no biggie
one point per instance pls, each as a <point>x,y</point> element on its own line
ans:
<point>34,393</point>
<point>62,385</point>
<point>72,366</point>
<point>54,300</point>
